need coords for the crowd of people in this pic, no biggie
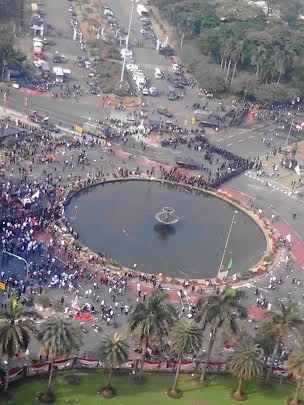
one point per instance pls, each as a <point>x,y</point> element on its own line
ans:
<point>42,169</point>
<point>217,165</point>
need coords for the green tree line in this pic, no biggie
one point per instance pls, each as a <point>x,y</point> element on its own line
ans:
<point>266,46</point>
<point>155,322</point>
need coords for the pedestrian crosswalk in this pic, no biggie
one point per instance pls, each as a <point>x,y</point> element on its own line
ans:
<point>273,184</point>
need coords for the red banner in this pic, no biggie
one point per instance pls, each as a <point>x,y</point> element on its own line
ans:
<point>38,368</point>
<point>88,362</point>
<point>14,374</point>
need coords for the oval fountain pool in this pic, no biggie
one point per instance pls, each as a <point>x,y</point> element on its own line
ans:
<point>119,218</point>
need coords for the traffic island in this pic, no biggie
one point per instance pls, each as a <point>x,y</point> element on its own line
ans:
<point>113,99</point>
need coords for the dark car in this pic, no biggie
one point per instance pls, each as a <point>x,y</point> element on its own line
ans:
<point>165,112</point>
<point>166,51</point>
<point>184,81</point>
<point>172,95</point>
<point>48,126</point>
<point>81,63</point>
<point>56,59</point>
<point>94,90</point>
<point>176,84</point>
<point>111,20</point>
<point>188,163</point>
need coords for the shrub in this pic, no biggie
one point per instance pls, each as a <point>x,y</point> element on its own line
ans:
<point>43,300</point>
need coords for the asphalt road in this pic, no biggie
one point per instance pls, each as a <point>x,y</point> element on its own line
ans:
<point>246,141</point>
<point>273,201</point>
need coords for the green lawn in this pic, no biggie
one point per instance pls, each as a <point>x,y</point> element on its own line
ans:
<point>153,392</point>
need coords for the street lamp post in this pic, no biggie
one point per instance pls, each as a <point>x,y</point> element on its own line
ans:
<point>127,43</point>
<point>22,259</point>
<point>290,128</point>
<point>226,244</point>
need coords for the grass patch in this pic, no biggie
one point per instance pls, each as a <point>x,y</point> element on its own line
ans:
<point>152,392</point>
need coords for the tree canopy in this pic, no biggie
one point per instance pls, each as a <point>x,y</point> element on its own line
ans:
<point>267,43</point>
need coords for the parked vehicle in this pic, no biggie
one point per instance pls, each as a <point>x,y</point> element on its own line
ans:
<point>164,111</point>
<point>158,73</point>
<point>142,11</point>
<point>172,95</point>
<point>166,51</point>
<point>153,91</point>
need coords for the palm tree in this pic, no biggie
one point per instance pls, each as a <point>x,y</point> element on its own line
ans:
<point>283,60</point>
<point>236,57</point>
<point>295,366</point>
<point>279,62</point>
<point>16,328</point>
<point>220,311</point>
<point>185,338</point>
<point>224,52</point>
<point>244,364</point>
<point>229,48</point>
<point>59,337</point>
<point>283,320</point>
<point>150,322</point>
<point>114,350</point>
<point>265,338</point>
<point>259,58</point>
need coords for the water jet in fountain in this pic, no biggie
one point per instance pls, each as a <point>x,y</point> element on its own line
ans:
<point>166,216</point>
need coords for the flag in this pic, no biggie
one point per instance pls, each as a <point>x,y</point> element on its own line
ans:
<point>297,169</point>
<point>229,264</point>
<point>222,274</point>
<point>36,195</point>
<point>14,303</point>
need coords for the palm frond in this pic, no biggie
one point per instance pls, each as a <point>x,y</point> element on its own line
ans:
<point>185,337</point>
<point>244,362</point>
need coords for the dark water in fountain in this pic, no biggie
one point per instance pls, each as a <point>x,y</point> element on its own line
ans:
<point>119,218</point>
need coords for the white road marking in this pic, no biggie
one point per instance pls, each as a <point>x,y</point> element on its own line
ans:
<point>230,136</point>
<point>251,136</point>
<point>229,144</point>
<point>241,140</point>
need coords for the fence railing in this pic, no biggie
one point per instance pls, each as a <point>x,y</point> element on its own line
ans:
<point>150,365</point>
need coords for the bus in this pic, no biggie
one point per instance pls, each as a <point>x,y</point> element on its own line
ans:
<point>142,12</point>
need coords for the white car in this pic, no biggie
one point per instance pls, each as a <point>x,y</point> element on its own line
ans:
<point>108,11</point>
<point>132,67</point>
<point>136,77</point>
<point>145,91</point>
<point>138,72</point>
<point>124,52</point>
<point>37,62</point>
<point>158,73</point>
